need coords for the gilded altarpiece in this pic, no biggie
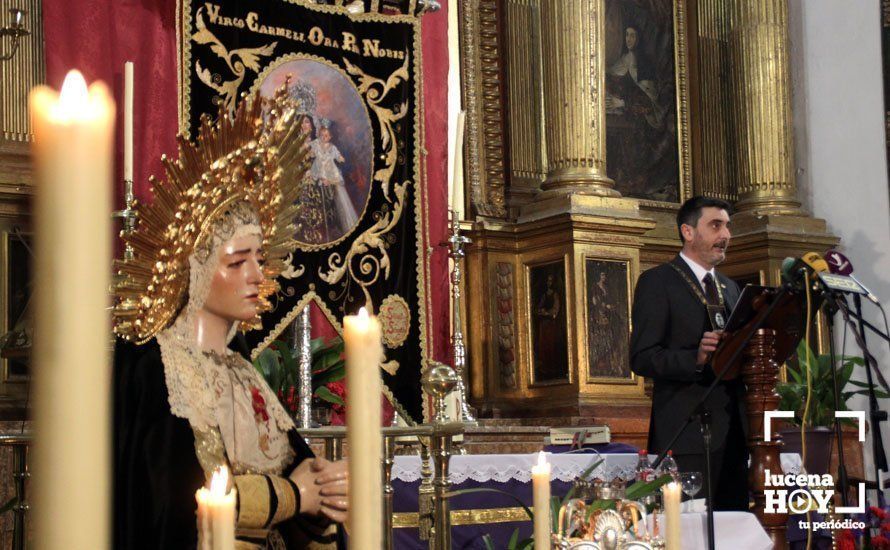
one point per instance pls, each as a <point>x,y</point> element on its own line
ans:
<point>667,115</point>
<point>354,82</point>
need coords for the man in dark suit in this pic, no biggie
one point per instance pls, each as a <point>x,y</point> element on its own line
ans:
<point>679,310</point>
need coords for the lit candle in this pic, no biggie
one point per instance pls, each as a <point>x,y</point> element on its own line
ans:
<point>670,493</point>
<point>457,178</point>
<point>216,513</point>
<point>72,152</point>
<point>364,354</point>
<point>128,121</point>
<point>541,492</point>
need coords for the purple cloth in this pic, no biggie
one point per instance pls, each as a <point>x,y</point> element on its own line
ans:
<point>601,448</point>
<point>470,536</point>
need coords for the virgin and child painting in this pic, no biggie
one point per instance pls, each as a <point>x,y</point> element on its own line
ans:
<point>550,350</point>
<point>608,326</point>
<point>641,99</point>
<point>335,121</point>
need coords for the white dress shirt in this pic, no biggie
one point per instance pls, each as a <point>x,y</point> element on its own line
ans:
<point>699,271</point>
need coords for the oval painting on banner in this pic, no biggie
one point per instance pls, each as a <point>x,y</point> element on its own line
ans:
<point>338,133</point>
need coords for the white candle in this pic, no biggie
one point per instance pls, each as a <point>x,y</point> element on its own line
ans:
<point>72,153</point>
<point>541,498</point>
<point>457,177</point>
<point>670,494</point>
<point>364,354</point>
<point>128,121</point>
<point>216,513</point>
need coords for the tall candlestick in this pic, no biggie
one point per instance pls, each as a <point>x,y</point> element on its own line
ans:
<point>216,513</point>
<point>541,496</point>
<point>364,354</point>
<point>72,161</point>
<point>128,121</point>
<point>671,496</point>
<point>457,178</point>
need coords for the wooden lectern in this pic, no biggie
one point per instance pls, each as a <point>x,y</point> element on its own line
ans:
<point>781,318</point>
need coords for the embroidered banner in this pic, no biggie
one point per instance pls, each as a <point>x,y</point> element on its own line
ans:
<point>354,80</point>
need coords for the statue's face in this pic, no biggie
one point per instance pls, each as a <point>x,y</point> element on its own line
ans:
<point>234,291</point>
<point>325,135</point>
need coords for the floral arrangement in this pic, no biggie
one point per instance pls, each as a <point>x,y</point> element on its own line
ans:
<point>875,536</point>
<point>279,366</point>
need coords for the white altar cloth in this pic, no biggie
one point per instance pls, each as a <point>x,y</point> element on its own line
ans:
<point>565,467</point>
<point>732,531</point>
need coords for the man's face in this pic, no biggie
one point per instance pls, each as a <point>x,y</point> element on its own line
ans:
<point>707,242</point>
<point>234,290</point>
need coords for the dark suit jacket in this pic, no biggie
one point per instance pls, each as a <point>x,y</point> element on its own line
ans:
<point>668,323</point>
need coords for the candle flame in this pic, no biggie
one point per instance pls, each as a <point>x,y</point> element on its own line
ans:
<point>363,314</point>
<point>74,95</point>
<point>542,459</point>
<point>219,482</point>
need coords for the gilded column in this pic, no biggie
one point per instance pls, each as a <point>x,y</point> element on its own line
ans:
<point>761,91</point>
<point>525,89</point>
<point>573,54</point>
<point>715,166</point>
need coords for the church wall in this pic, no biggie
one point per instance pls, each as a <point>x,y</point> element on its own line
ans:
<point>839,138</point>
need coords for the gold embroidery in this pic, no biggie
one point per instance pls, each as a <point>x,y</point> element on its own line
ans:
<point>287,501</point>
<point>209,450</point>
<point>238,62</point>
<point>253,501</point>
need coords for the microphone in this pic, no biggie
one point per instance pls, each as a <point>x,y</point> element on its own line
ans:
<point>804,269</point>
<point>815,261</point>
<point>838,264</point>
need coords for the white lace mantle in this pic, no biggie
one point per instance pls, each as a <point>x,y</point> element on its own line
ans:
<point>214,392</point>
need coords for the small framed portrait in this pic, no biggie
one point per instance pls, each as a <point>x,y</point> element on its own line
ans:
<point>608,318</point>
<point>549,328</point>
<point>17,322</point>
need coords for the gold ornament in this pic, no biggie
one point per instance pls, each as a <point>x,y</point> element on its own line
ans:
<point>241,158</point>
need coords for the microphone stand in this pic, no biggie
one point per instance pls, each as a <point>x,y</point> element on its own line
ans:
<point>842,480</point>
<point>699,410</point>
<point>875,414</point>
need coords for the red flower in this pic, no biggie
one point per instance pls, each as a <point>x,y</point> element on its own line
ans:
<point>880,514</point>
<point>845,540</point>
<point>885,527</point>
<point>259,404</point>
<point>880,542</point>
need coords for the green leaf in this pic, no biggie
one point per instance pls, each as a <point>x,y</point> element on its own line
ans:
<point>642,489</point>
<point>486,540</point>
<point>334,374</point>
<point>325,394</point>
<point>268,363</point>
<point>513,539</point>
<point>526,543</point>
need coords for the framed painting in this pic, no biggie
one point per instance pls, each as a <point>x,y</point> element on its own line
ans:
<point>647,124</point>
<point>16,326</point>
<point>547,306</point>
<point>608,318</point>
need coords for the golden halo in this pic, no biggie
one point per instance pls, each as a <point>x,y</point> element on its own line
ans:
<point>238,159</point>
